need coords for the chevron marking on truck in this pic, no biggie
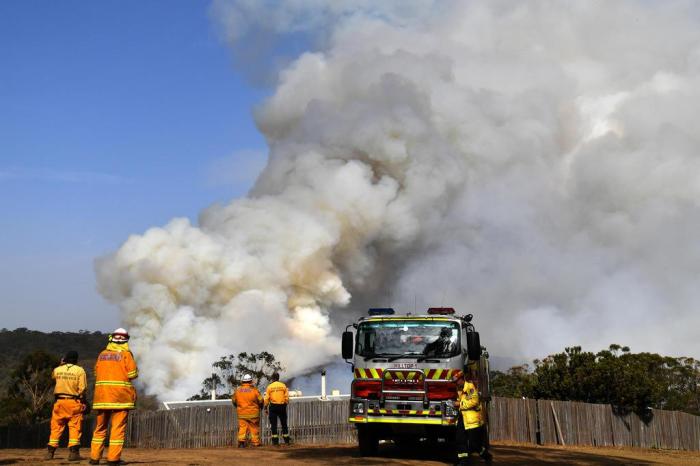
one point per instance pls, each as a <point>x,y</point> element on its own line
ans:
<point>430,374</point>
<point>368,373</point>
<point>409,412</point>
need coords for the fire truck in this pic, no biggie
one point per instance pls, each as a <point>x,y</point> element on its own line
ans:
<point>405,368</point>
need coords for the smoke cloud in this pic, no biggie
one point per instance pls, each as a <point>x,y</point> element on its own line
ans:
<point>536,164</point>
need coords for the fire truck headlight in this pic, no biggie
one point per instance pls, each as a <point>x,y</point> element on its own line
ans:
<point>358,408</point>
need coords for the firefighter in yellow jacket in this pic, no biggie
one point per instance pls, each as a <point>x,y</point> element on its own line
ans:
<point>248,401</point>
<point>471,433</point>
<point>114,396</point>
<point>276,401</point>
<point>69,406</point>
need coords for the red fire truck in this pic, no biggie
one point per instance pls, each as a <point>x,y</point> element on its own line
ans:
<point>404,369</point>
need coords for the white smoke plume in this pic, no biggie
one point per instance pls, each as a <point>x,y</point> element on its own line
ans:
<point>534,163</point>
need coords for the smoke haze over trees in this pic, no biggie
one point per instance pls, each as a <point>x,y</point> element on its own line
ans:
<point>532,163</point>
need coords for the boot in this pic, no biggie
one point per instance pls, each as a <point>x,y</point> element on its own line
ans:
<point>464,460</point>
<point>275,440</point>
<point>469,461</point>
<point>287,440</point>
<point>74,454</point>
<point>49,452</point>
<point>488,457</point>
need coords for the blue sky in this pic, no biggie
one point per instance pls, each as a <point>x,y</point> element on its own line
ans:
<point>115,116</point>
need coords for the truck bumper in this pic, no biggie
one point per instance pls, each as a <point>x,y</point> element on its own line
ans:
<point>435,421</point>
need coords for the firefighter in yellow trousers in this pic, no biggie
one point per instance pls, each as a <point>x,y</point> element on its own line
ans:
<point>470,433</point>
<point>248,401</point>
<point>114,396</point>
<point>69,406</point>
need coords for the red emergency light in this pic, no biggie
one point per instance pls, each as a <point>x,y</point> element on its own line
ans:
<point>366,388</point>
<point>441,311</point>
<point>442,390</point>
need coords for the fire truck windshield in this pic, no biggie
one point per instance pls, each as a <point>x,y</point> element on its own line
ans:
<point>408,338</point>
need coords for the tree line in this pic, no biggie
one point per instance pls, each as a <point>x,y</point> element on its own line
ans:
<point>615,376</point>
<point>27,359</point>
<point>17,344</point>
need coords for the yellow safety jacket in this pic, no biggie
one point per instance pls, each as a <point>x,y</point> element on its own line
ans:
<point>70,380</point>
<point>277,394</point>
<point>470,406</point>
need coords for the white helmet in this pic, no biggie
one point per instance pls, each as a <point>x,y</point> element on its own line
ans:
<point>247,378</point>
<point>120,335</point>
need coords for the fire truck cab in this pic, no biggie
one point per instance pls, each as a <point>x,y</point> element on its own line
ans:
<point>405,368</point>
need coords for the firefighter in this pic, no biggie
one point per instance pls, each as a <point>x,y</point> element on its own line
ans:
<point>470,432</point>
<point>443,346</point>
<point>69,406</point>
<point>248,401</point>
<point>276,401</point>
<point>114,396</point>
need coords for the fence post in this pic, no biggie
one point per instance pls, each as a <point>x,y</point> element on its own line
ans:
<point>556,424</point>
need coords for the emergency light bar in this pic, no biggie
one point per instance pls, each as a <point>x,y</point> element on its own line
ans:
<point>441,310</point>
<point>381,311</point>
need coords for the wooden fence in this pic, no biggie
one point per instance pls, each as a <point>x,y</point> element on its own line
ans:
<point>310,421</point>
<point>548,422</point>
<point>541,422</point>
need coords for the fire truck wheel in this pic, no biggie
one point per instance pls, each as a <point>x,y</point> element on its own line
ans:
<point>367,440</point>
<point>407,442</point>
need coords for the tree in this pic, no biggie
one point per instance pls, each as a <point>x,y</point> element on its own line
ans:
<point>516,382</point>
<point>30,393</point>
<point>616,376</point>
<point>683,385</point>
<point>228,371</point>
<point>631,382</point>
<point>17,344</point>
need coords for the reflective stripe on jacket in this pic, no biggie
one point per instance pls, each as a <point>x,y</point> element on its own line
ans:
<point>113,373</point>
<point>276,393</point>
<point>470,406</point>
<point>247,400</point>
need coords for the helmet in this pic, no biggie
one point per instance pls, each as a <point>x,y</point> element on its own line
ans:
<point>120,335</point>
<point>247,378</point>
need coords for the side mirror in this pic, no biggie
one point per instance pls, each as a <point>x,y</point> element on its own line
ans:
<point>473,346</point>
<point>348,345</point>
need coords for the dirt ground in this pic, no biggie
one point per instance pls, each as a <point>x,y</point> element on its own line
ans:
<point>504,454</point>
